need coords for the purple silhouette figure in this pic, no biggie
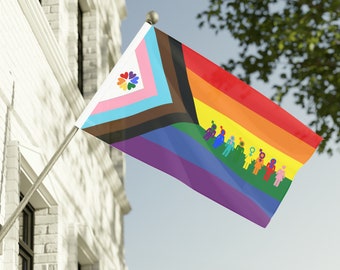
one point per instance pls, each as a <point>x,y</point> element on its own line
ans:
<point>210,132</point>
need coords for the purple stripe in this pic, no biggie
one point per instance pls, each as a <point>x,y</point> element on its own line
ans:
<point>189,149</point>
<point>214,188</point>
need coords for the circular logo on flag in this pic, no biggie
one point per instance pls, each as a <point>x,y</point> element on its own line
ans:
<point>127,80</point>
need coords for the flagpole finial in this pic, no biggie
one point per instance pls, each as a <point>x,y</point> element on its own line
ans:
<point>152,17</point>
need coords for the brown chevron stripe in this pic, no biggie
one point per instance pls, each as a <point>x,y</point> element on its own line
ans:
<point>157,117</point>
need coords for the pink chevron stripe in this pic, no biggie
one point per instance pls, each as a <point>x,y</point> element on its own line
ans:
<point>149,89</point>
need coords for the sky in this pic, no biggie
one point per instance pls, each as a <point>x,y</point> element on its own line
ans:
<point>173,227</point>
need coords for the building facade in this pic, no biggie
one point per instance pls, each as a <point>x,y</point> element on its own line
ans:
<point>54,54</point>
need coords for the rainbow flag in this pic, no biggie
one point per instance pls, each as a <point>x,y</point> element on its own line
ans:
<point>170,107</point>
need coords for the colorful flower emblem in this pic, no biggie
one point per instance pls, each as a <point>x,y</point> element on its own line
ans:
<point>128,80</point>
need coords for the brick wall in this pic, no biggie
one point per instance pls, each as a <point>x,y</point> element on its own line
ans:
<point>51,10</point>
<point>90,53</point>
<point>10,245</point>
<point>46,239</point>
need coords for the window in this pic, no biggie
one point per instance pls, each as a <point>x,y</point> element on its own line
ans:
<point>26,234</point>
<point>80,49</point>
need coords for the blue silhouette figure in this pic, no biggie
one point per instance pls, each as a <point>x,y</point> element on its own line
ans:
<point>219,140</point>
<point>229,146</point>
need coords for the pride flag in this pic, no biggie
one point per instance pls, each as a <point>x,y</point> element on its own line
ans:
<point>170,107</point>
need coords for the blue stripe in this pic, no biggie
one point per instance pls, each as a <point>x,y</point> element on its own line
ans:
<point>163,92</point>
<point>187,148</point>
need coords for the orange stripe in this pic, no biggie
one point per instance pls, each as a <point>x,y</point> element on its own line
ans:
<point>206,113</point>
<point>254,123</point>
<point>247,96</point>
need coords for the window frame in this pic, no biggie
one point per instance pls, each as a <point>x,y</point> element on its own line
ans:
<point>80,45</point>
<point>26,242</point>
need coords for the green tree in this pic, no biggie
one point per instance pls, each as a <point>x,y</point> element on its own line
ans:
<point>297,40</point>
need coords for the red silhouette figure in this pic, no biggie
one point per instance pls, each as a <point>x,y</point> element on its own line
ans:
<point>270,169</point>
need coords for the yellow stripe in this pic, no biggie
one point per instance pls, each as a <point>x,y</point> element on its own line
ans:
<point>206,114</point>
<point>256,124</point>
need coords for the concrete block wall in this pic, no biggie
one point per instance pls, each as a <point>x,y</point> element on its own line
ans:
<point>90,52</point>
<point>51,10</point>
<point>46,238</point>
<point>10,245</point>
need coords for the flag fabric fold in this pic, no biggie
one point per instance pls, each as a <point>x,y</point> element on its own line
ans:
<point>170,107</point>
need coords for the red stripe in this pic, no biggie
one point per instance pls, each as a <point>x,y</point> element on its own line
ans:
<point>249,97</point>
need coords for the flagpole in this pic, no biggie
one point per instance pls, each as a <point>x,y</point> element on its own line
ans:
<point>152,18</point>
<point>10,221</point>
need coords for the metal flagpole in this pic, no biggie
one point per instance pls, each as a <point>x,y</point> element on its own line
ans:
<point>10,221</point>
<point>152,18</point>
